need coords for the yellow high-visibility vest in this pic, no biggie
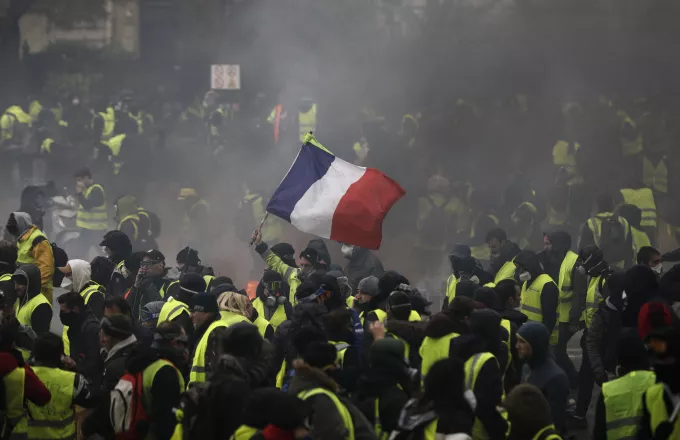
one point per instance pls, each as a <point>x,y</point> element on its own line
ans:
<point>171,310</point>
<point>25,246</point>
<point>307,122</point>
<point>655,177</point>
<point>658,412</point>
<point>506,272</point>
<point>135,225</point>
<point>547,433</point>
<point>472,368</point>
<point>277,317</point>
<point>197,373</point>
<point>531,301</point>
<point>148,376</point>
<point>342,409</point>
<point>564,155</point>
<point>643,198</point>
<point>57,419</point>
<point>433,350</point>
<point>15,407</point>
<point>96,219</point>
<point>593,299</point>
<point>623,403</point>
<point>115,144</point>
<point>566,287</point>
<point>24,314</point>
<point>451,284</point>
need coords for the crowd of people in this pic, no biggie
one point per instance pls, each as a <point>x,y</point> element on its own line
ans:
<point>317,350</point>
<point>154,347</point>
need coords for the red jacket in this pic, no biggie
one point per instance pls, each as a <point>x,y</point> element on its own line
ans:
<point>34,389</point>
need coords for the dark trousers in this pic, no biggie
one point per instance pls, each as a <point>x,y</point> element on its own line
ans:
<point>561,356</point>
<point>586,380</point>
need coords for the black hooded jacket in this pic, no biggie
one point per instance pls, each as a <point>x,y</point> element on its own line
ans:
<point>362,264</point>
<point>542,371</point>
<point>550,293</point>
<point>602,339</point>
<point>42,314</point>
<point>85,348</point>
<point>165,391</point>
<point>488,387</point>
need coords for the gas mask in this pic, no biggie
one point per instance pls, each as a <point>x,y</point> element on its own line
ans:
<point>525,276</point>
<point>274,297</point>
<point>347,250</point>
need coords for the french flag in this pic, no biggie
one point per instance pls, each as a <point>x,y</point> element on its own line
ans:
<point>331,198</point>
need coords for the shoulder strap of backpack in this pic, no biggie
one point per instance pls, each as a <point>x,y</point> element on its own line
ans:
<point>39,239</point>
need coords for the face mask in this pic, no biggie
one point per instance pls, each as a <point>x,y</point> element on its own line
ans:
<point>525,276</point>
<point>68,318</point>
<point>658,269</point>
<point>581,270</point>
<point>106,252</point>
<point>347,250</point>
<point>75,101</point>
<point>13,230</point>
<point>495,257</point>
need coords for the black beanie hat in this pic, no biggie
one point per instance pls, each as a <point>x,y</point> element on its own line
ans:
<point>117,326</point>
<point>204,302</point>
<point>192,283</point>
<point>310,255</point>
<point>285,252</point>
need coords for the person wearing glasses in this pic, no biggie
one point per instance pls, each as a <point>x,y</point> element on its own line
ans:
<point>148,283</point>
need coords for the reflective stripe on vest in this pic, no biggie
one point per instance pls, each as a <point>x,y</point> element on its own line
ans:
<point>5,277</point>
<point>342,409</point>
<point>96,219</point>
<point>277,317</point>
<point>24,247</point>
<point>243,432</point>
<point>197,373</point>
<point>566,287</point>
<point>623,403</point>
<point>655,177</point>
<point>472,368</point>
<point>172,309</point>
<point>166,288</point>
<point>307,122</point>
<point>658,411</point>
<point>506,272</point>
<point>643,198</point>
<point>56,420</point>
<point>433,350</point>
<point>531,301</point>
<point>593,299</point>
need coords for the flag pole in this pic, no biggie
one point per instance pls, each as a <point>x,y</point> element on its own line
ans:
<point>264,219</point>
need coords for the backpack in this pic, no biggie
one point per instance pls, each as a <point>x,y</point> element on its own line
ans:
<point>433,229</point>
<point>613,240</point>
<point>126,411</point>
<point>60,260</point>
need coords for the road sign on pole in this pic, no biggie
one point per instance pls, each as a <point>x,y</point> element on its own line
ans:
<point>225,77</point>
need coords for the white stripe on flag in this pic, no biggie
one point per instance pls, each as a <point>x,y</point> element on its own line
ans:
<point>313,213</point>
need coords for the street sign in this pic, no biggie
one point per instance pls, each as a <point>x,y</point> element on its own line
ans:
<point>225,77</point>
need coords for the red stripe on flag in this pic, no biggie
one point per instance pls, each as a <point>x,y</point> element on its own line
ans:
<point>359,215</point>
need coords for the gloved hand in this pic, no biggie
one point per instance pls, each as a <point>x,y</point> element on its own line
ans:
<point>601,377</point>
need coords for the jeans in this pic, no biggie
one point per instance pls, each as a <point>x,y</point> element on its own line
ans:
<point>561,356</point>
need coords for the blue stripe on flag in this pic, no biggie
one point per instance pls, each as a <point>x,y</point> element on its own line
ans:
<point>311,164</point>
